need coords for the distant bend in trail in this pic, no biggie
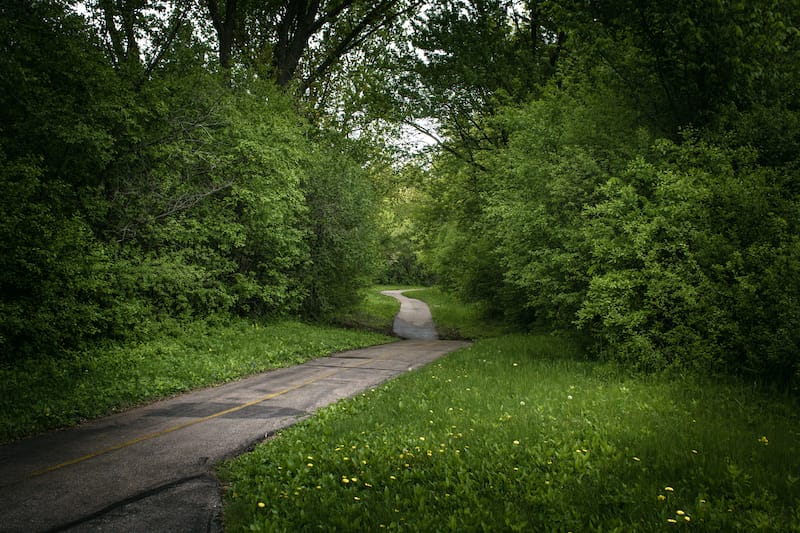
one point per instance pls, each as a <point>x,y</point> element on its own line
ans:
<point>414,320</point>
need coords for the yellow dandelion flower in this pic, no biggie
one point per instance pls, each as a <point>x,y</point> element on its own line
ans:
<point>356,498</point>
<point>669,489</point>
<point>680,512</point>
<point>687,518</point>
<point>661,497</point>
<point>516,443</point>
<point>672,521</point>
<point>637,459</point>
<point>261,505</point>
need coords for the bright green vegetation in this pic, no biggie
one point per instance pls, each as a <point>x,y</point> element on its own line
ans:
<point>522,433</point>
<point>455,319</point>
<point>41,394</point>
<point>147,185</point>
<point>626,171</point>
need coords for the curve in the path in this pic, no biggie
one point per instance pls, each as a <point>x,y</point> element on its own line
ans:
<point>414,320</point>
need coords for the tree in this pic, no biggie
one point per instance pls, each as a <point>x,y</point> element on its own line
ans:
<point>299,40</point>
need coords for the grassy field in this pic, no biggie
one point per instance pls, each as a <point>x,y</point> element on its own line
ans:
<point>36,395</point>
<point>521,433</point>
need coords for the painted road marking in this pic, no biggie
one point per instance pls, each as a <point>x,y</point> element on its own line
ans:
<point>172,429</point>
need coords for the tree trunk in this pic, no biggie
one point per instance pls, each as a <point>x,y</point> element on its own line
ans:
<point>225,27</point>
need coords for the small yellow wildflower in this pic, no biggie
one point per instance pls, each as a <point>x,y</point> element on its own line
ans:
<point>516,443</point>
<point>661,497</point>
<point>687,518</point>
<point>763,440</point>
<point>261,505</point>
<point>637,459</point>
<point>422,439</point>
<point>669,489</point>
<point>356,498</point>
<point>672,521</point>
<point>310,465</point>
<point>680,512</point>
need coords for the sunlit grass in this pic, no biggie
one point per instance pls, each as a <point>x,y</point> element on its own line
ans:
<point>521,433</point>
<point>40,394</point>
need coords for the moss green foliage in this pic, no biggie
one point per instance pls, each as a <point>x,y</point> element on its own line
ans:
<point>645,193</point>
<point>41,394</point>
<point>137,195</point>
<point>523,433</point>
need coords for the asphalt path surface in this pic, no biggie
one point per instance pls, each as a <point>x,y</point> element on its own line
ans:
<point>150,469</point>
<point>414,320</point>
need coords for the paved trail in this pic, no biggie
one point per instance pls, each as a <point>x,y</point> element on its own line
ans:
<point>414,320</point>
<point>151,469</point>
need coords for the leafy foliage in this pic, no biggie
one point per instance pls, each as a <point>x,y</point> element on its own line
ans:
<point>644,194</point>
<point>142,193</point>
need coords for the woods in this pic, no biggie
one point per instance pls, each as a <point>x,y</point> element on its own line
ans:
<point>625,171</point>
<point>145,187</point>
<point>642,192</point>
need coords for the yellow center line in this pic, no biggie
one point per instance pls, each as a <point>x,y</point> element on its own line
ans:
<point>172,429</point>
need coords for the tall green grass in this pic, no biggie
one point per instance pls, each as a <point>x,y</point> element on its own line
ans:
<point>41,394</point>
<point>520,433</point>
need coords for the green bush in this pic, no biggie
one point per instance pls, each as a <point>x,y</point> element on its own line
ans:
<point>694,263</point>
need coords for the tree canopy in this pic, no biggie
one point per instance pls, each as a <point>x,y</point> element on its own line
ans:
<point>624,170</point>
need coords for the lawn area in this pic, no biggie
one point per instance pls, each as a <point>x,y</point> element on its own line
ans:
<point>520,432</point>
<point>36,395</point>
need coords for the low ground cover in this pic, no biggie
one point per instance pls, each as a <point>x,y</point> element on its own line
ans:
<point>520,432</point>
<point>41,394</point>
